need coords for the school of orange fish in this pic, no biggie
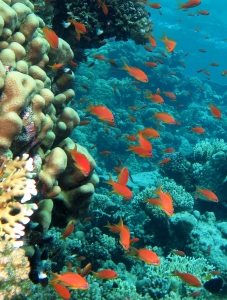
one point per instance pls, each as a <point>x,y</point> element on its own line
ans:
<point>141,146</point>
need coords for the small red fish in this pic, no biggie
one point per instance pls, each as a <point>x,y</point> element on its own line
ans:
<point>98,56</point>
<point>105,152</point>
<point>146,255</point>
<point>169,43</point>
<point>61,290</point>
<point>119,189</point>
<point>165,118</point>
<point>70,279</point>
<point>215,111</point>
<point>164,161</point>
<point>168,150</point>
<point>68,230</point>
<point>198,130</point>
<point>135,72</point>
<point>139,150</point>
<point>178,252</point>
<point>56,66</point>
<point>50,36</point>
<point>189,4</point>
<point>188,278</point>
<point>208,194</point>
<point>101,112</point>
<point>105,274</point>
<point>79,28</point>
<point>123,176</point>
<point>81,161</point>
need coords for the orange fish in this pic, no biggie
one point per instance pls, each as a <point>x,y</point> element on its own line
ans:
<point>165,118</point>
<point>132,119</point>
<point>151,64</point>
<point>104,8</point>
<point>61,290</point>
<point>215,111</point>
<point>73,63</point>
<point>105,152</point>
<point>50,36</point>
<point>79,27</point>
<point>140,151</point>
<point>135,108</point>
<point>194,294</point>
<point>146,255</point>
<point>84,122</point>
<point>170,44</point>
<point>150,133</point>
<point>202,50</point>
<point>154,5</point>
<point>197,29</point>
<point>134,240</point>
<point>147,48</point>
<point>56,66</point>
<point>166,202</point>
<point>144,142</point>
<point>98,56</point>
<point>164,161</point>
<point>209,195</point>
<point>188,278</point>
<point>189,4</point>
<point>178,252</point>
<point>101,112</point>
<point>198,130</point>
<point>131,138</point>
<point>80,160</point>
<point>202,12</point>
<point>168,150</point>
<point>152,41</point>
<point>135,72</point>
<point>119,189</point>
<point>105,274</point>
<point>113,63</point>
<point>170,95</point>
<point>86,270</point>
<point>123,176</point>
<point>156,98</point>
<point>87,219</point>
<point>124,234</point>
<point>68,230</point>
<point>70,279</point>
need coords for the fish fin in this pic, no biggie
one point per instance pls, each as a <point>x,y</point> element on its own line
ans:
<point>110,181</point>
<point>120,224</point>
<point>130,148</point>
<point>163,38</point>
<point>159,188</point>
<point>125,66</point>
<point>107,225</point>
<point>77,35</point>
<point>180,5</point>
<point>55,277</point>
<point>89,108</point>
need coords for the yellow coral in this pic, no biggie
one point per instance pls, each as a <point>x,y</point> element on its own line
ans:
<point>16,182</point>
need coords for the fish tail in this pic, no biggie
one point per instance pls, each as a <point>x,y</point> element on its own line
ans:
<point>159,188</point>
<point>120,224</point>
<point>110,181</point>
<point>55,277</point>
<point>125,66</point>
<point>130,148</point>
<point>134,251</point>
<point>107,225</point>
<point>163,38</point>
<point>95,275</point>
<point>180,5</point>
<point>89,108</point>
<point>175,273</point>
<point>77,35</point>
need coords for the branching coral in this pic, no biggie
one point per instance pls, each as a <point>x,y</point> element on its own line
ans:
<point>16,182</point>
